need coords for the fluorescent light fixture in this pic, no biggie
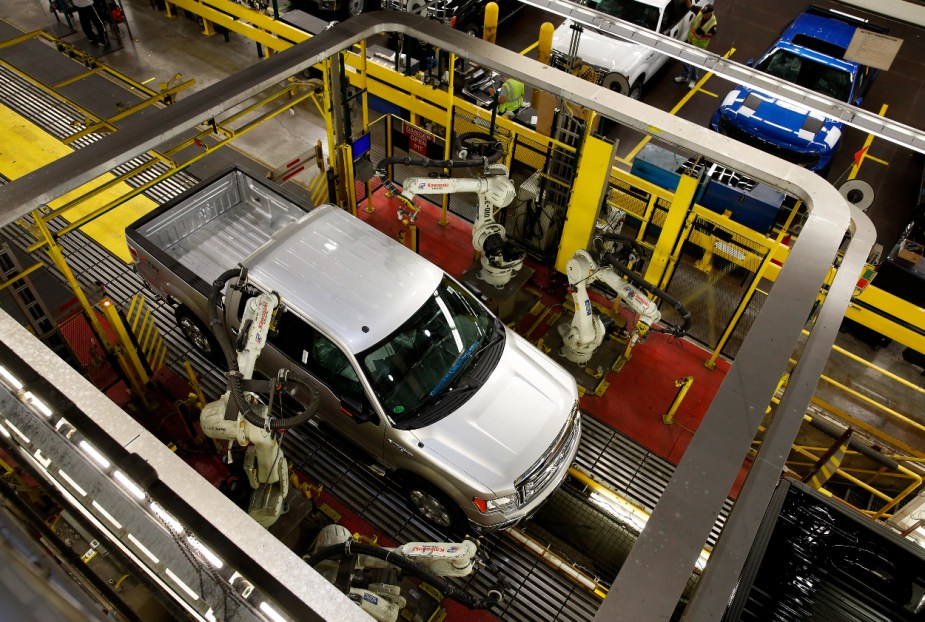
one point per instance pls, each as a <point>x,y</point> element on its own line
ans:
<point>10,378</point>
<point>210,615</point>
<point>16,431</point>
<point>41,460</point>
<point>860,19</point>
<point>165,516</point>
<point>92,451</point>
<point>209,555</point>
<point>4,431</point>
<point>107,515</point>
<point>143,548</point>
<point>183,586</point>
<point>67,478</point>
<point>129,485</point>
<point>36,403</point>
<point>271,612</point>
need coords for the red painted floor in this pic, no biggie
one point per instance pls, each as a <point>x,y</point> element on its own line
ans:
<point>639,394</point>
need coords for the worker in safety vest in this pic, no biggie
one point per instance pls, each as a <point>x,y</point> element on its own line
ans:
<point>510,96</point>
<point>703,28</point>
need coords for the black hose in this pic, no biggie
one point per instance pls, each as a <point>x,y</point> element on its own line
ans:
<point>234,379</point>
<point>216,323</point>
<point>496,153</point>
<point>637,280</point>
<point>351,547</point>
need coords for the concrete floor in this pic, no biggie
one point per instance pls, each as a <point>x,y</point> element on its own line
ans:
<point>161,48</point>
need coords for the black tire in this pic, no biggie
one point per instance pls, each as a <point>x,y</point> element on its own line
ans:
<point>352,8</point>
<point>472,29</point>
<point>198,335</point>
<point>434,507</point>
<point>636,90</point>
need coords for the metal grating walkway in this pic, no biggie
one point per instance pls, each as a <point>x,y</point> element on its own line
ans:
<point>537,593</point>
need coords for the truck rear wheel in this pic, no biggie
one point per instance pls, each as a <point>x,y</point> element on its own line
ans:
<point>434,507</point>
<point>198,335</point>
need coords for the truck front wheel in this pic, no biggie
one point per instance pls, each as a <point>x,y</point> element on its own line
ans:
<point>197,334</point>
<point>434,507</point>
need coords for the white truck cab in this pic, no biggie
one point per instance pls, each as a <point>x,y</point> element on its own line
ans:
<point>410,366</point>
<point>619,65</point>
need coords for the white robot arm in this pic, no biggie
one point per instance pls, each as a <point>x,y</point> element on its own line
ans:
<point>586,332</point>
<point>501,259</point>
<point>264,463</point>
<point>369,573</point>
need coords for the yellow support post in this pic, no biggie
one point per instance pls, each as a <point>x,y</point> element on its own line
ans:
<point>683,384</point>
<point>671,228</point>
<point>207,28</point>
<point>194,385</point>
<point>490,30</point>
<point>590,183</point>
<point>447,131</point>
<point>543,54</point>
<point>168,10</point>
<point>125,349</point>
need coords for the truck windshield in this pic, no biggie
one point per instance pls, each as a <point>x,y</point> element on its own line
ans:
<point>806,72</point>
<point>631,11</point>
<point>417,362</point>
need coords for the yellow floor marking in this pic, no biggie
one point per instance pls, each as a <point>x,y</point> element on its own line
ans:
<point>856,167</point>
<point>529,49</point>
<point>25,147</point>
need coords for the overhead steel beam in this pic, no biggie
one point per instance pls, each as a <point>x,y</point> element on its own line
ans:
<point>660,564</point>
<point>728,558</point>
<point>863,120</point>
<point>899,10</point>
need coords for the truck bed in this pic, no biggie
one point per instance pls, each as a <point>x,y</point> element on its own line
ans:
<point>217,226</point>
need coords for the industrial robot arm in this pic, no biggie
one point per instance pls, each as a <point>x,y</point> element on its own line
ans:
<point>237,416</point>
<point>587,332</point>
<point>369,574</point>
<point>501,258</point>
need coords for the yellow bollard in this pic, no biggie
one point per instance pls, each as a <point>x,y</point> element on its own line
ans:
<point>543,54</point>
<point>544,49</point>
<point>683,385</point>
<point>490,32</point>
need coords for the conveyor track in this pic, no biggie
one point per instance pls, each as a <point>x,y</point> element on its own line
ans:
<point>536,592</point>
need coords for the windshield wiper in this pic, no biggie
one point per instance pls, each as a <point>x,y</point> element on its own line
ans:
<point>455,368</point>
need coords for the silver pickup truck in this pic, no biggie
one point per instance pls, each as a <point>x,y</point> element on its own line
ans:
<point>412,368</point>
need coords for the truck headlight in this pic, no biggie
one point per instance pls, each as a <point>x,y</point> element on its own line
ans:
<point>498,504</point>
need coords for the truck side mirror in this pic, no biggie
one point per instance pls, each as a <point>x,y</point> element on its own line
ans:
<point>358,410</point>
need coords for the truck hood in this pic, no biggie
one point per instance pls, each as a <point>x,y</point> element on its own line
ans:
<point>506,427</point>
<point>599,50</point>
<point>780,122</point>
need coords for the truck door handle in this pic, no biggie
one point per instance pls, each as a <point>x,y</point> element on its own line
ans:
<point>399,448</point>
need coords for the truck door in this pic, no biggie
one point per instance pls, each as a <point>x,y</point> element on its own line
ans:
<point>317,359</point>
<point>299,347</point>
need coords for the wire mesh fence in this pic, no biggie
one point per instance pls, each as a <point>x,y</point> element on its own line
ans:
<point>712,277</point>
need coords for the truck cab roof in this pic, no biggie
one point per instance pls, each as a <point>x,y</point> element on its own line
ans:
<point>370,283</point>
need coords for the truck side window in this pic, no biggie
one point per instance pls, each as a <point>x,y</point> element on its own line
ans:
<point>335,368</point>
<point>669,18</point>
<point>318,354</point>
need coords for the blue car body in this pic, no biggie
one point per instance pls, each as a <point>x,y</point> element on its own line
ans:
<point>809,53</point>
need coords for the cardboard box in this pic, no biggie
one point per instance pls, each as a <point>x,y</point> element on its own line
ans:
<point>911,251</point>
